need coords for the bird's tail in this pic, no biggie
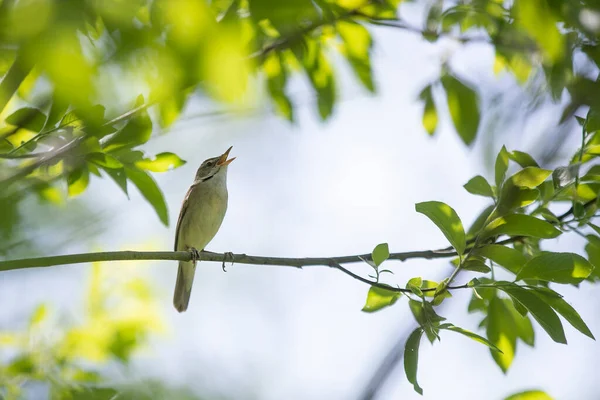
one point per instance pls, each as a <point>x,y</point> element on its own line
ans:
<point>183,286</point>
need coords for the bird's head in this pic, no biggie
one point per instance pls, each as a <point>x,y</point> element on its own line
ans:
<point>212,166</point>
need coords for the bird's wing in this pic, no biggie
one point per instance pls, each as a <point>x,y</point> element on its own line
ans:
<point>184,208</point>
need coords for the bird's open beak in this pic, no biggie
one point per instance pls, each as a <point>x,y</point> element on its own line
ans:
<point>223,159</point>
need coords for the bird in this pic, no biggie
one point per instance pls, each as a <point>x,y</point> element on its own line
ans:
<point>201,215</point>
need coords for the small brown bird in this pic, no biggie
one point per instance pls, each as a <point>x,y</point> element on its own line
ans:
<point>201,215</point>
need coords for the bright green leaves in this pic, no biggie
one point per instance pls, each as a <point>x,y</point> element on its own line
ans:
<point>559,304</point>
<point>521,225</point>
<point>151,192</point>
<point>463,105</point>
<point>277,76</point>
<point>529,395</point>
<point>28,118</point>
<point>379,298</point>
<point>479,186</point>
<point>530,177</point>
<point>557,267</point>
<point>357,43</point>
<point>504,326</point>
<point>162,162</point>
<point>78,181</point>
<point>430,115</point>
<point>427,318</point>
<point>446,220</point>
<point>470,335</point>
<point>380,253</point>
<point>411,358</point>
<point>137,131</point>
<point>501,166</point>
<point>320,74</point>
<point>510,259</point>
<point>538,20</point>
<point>539,309</point>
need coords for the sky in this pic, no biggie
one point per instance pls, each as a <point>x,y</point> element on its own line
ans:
<point>319,189</point>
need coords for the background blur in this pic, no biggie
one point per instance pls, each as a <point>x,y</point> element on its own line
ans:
<point>308,189</point>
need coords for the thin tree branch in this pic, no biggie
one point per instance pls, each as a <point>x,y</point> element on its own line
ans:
<point>208,256</point>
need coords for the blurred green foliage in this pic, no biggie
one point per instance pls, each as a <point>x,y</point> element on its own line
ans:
<point>70,358</point>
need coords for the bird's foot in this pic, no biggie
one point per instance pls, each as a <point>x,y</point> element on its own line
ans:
<point>228,257</point>
<point>195,254</point>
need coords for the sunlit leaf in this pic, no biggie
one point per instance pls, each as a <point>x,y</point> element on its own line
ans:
<point>379,298</point>
<point>500,332</point>
<point>501,166</point>
<point>510,259</point>
<point>463,104</point>
<point>78,180</point>
<point>479,186</point>
<point>530,177</point>
<point>529,395</point>
<point>357,45</point>
<point>28,118</point>
<point>380,253</point>
<point>471,335</point>
<point>559,304</point>
<point>538,19</point>
<point>162,162</point>
<point>557,267</point>
<point>411,358</point>
<point>446,220</point>
<point>539,309</point>
<point>521,225</point>
<point>430,115</point>
<point>151,192</point>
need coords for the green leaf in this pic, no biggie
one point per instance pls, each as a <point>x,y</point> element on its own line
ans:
<point>476,266</point>
<point>120,178</point>
<point>559,304</point>
<point>530,177</point>
<point>529,395</point>
<point>446,220</point>
<point>39,315</point>
<point>104,160</point>
<point>162,162</point>
<point>78,180</point>
<point>169,109</point>
<point>521,225</point>
<point>28,118</point>
<point>137,131</point>
<point>414,285</point>
<point>379,298</point>
<point>539,309</point>
<point>501,166</point>
<point>321,77</point>
<point>356,48</point>
<point>538,20</point>
<point>463,105</point>
<point>276,74</point>
<point>510,259</point>
<point>557,267</point>
<point>427,318</point>
<point>151,192</point>
<point>430,115</point>
<point>380,253</point>
<point>471,335</point>
<point>500,332</point>
<point>479,186</point>
<point>523,159</point>
<point>513,197</point>
<point>411,358</point>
